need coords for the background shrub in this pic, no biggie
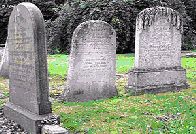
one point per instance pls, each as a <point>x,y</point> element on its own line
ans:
<point>62,19</point>
<point>121,15</point>
<point>6,7</point>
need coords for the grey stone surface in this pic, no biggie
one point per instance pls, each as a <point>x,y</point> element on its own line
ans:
<point>158,42</point>
<point>4,66</point>
<point>192,54</point>
<point>28,83</point>
<point>2,96</point>
<point>157,50</point>
<point>54,129</point>
<point>1,52</point>
<point>92,63</point>
<point>28,120</point>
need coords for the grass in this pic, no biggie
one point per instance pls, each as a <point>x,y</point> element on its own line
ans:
<point>124,113</point>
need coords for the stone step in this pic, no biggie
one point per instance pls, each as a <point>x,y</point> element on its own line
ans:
<point>54,129</point>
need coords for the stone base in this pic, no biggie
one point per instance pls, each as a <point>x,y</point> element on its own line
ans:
<point>86,95</point>
<point>154,89</point>
<point>157,80</point>
<point>29,121</point>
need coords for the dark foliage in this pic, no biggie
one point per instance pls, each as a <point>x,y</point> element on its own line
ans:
<point>5,11</point>
<point>46,9</point>
<point>7,7</point>
<point>120,14</point>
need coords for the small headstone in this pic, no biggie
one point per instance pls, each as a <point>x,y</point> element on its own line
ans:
<point>192,54</point>
<point>28,77</point>
<point>157,51</point>
<point>92,63</point>
<point>4,66</point>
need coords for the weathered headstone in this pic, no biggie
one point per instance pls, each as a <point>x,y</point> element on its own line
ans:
<point>157,51</point>
<point>28,77</point>
<point>4,67</point>
<point>92,63</point>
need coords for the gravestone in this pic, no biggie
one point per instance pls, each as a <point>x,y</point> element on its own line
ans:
<point>28,77</point>
<point>4,67</point>
<point>157,51</point>
<point>92,63</point>
<point>192,54</point>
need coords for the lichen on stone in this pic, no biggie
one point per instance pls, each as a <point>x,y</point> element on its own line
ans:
<point>148,16</point>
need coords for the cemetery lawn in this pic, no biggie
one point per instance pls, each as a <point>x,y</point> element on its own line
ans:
<point>162,113</point>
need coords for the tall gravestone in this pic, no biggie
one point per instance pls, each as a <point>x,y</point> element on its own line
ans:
<point>92,63</point>
<point>28,77</point>
<point>4,66</point>
<point>157,51</point>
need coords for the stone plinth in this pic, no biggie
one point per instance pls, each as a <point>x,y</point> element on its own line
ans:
<point>147,80</point>
<point>28,120</point>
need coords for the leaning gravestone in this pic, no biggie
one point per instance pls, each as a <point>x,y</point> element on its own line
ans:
<point>92,63</point>
<point>4,67</point>
<point>28,78</point>
<point>157,51</point>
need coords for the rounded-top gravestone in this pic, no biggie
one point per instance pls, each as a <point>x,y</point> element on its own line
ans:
<point>92,63</point>
<point>28,77</point>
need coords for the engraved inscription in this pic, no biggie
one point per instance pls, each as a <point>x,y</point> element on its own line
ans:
<point>21,59</point>
<point>98,50</point>
<point>156,46</point>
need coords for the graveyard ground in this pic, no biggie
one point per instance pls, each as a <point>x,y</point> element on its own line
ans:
<point>171,112</point>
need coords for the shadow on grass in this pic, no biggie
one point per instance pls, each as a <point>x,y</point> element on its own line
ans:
<point>129,54</point>
<point>156,90</point>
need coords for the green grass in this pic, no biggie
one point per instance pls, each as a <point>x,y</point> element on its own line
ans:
<point>190,65</point>
<point>124,113</point>
<point>58,65</point>
<point>124,63</point>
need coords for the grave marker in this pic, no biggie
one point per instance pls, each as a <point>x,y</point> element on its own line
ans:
<point>157,51</point>
<point>92,63</point>
<point>192,54</point>
<point>28,77</point>
<point>4,67</point>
